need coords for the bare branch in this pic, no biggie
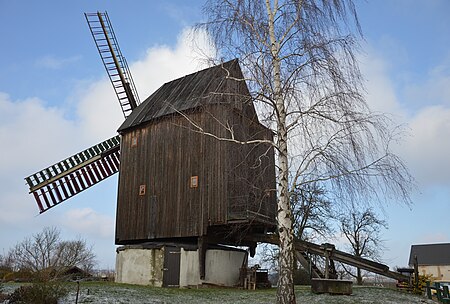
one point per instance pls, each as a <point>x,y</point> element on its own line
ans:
<point>199,129</point>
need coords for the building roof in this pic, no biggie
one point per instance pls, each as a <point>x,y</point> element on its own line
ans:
<point>430,254</point>
<point>208,86</point>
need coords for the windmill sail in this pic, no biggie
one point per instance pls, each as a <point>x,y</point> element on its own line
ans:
<point>71,176</point>
<point>115,64</point>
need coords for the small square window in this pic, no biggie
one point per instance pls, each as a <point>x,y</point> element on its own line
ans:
<point>134,141</point>
<point>142,190</point>
<point>194,181</point>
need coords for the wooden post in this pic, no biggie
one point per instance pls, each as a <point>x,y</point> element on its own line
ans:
<point>416,273</point>
<point>202,256</point>
<point>429,294</point>
<point>327,264</point>
<point>438,291</point>
<point>78,291</point>
<point>445,291</point>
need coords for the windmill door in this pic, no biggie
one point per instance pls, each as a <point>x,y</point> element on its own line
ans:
<point>171,276</point>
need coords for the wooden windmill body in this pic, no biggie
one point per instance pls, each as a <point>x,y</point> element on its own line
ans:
<point>181,177</point>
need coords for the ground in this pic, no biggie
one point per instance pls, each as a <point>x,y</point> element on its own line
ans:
<point>120,293</point>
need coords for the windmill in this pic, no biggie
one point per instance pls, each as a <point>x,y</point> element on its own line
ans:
<point>182,195</point>
<point>187,185</point>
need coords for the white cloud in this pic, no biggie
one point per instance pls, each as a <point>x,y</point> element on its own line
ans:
<point>99,112</point>
<point>15,204</point>
<point>54,63</point>
<point>88,221</point>
<point>426,149</point>
<point>32,134</point>
<point>162,63</point>
<point>381,95</point>
<point>435,89</point>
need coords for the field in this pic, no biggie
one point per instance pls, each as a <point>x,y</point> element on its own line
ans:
<point>120,293</point>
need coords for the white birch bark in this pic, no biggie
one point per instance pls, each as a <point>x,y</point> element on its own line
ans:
<point>285,291</point>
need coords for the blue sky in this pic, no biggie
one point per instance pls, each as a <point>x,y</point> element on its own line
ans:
<point>55,100</point>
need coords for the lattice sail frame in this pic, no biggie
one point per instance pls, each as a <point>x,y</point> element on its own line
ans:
<point>75,174</point>
<point>114,62</point>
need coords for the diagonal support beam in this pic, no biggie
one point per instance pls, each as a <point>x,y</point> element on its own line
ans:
<point>334,254</point>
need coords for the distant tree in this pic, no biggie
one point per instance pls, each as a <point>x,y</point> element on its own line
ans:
<point>312,212</point>
<point>362,229</point>
<point>268,256</point>
<point>313,218</point>
<point>36,253</point>
<point>76,253</point>
<point>45,251</point>
<point>6,265</point>
<point>6,262</point>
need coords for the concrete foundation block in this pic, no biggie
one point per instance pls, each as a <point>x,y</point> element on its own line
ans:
<point>342,287</point>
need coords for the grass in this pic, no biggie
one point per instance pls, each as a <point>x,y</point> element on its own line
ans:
<point>95,292</point>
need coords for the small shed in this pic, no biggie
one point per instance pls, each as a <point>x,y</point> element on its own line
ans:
<point>70,273</point>
<point>432,259</point>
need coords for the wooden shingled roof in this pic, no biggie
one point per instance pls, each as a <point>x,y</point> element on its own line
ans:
<point>430,254</point>
<point>208,86</point>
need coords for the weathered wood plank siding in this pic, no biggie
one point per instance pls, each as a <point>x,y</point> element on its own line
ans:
<point>168,153</point>
<point>231,181</point>
<point>251,177</point>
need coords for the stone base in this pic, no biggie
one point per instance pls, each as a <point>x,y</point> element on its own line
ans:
<point>146,264</point>
<point>342,287</point>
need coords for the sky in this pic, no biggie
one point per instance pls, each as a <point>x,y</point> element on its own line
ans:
<point>56,100</point>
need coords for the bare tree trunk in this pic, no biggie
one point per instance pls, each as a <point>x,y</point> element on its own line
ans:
<point>285,292</point>
<point>359,280</point>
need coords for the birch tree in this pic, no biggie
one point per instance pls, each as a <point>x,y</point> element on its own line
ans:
<point>298,57</point>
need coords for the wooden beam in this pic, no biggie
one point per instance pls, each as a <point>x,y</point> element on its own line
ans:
<point>335,255</point>
<point>202,244</point>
